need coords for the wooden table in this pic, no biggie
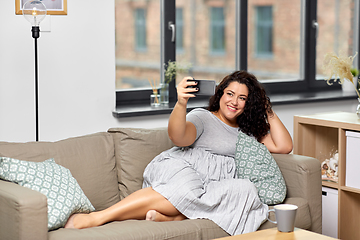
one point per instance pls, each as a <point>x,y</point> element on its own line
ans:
<point>274,234</point>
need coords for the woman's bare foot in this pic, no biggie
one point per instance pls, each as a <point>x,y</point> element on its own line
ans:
<point>81,220</point>
<point>151,215</point>
<point>155,216</point>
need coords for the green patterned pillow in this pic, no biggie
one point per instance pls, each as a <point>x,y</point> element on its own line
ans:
<point>255,162</point>
<point>64,195</point>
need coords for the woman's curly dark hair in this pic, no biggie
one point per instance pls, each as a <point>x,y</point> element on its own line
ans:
<point>253,121</point>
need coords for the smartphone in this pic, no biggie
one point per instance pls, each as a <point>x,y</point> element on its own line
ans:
<point>206,87</point>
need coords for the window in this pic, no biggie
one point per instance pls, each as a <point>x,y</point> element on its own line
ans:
<point>264,31</point>
<point>337,30</point>
<point>282,42</point>
<point>138,53</point>
<point>204,40</point>
<point>275,37</point>
<point>140,29</point>
<point>217,30</point>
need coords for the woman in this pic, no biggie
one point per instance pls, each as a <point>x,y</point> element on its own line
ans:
<point>197,179</point>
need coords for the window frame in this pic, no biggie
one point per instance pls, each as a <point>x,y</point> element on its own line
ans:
<point>305,85</point>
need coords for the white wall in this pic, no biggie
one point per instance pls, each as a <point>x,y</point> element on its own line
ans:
<point>76,76</point>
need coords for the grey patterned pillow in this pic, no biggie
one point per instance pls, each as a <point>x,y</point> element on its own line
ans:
<point>255,162</point>
<point>64,195</point>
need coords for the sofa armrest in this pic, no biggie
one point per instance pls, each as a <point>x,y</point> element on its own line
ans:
<point>303,179</point>
<point>23,213</point>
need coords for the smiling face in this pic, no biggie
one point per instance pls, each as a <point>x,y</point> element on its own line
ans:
<point>232,103</point>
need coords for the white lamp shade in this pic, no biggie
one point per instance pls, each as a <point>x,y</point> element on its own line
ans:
<point>34,11</point>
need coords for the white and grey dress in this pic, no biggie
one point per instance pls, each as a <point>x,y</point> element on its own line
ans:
<point>200,180</point>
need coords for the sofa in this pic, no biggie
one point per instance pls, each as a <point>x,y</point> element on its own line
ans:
<point>108,166</point>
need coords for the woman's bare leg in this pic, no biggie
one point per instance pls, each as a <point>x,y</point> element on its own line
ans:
<point>135,206</point>
<point>153,215</point>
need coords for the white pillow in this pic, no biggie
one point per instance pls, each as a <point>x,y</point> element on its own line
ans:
<point>64,195</point>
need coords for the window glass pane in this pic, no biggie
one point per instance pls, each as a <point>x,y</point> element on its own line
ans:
<point>217,30</point>
<point>264,31</point>
<point>337,31</point>
<point>137,32</point>
<point>208,29</point>
<point>179,30</point>
<point>274,39</point>
<point>140,29</point>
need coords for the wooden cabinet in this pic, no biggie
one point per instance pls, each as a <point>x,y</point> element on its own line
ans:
<point>319,136</point>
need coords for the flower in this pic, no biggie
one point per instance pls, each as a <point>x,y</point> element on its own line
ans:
<point>340,67</point>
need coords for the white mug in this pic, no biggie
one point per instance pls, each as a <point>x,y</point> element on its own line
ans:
<point>285,217</point>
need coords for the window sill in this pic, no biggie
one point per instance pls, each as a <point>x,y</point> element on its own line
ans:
<point>134,110</point>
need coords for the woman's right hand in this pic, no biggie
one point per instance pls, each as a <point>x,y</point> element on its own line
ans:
<point>183,92</point>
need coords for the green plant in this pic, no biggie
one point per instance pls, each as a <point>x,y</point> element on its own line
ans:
<point>354,72</point>
<point>173,67</point>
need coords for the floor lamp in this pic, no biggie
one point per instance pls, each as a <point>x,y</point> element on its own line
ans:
<point>35,11</point>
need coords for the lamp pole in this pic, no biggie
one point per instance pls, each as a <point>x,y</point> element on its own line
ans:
<point>36,34</point>
<point>35,11</point>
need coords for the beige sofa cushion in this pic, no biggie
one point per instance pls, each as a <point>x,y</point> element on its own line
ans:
<point>134,149</point>
<point>144,230</point>
<point>89,158</point>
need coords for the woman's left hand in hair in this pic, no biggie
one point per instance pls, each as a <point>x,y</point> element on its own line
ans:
<point>278,140</point>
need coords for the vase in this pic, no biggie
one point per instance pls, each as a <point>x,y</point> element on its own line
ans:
<point>348,86</point>
<point>358,109</point>
<point>155,100</point>
<point>164,94</point>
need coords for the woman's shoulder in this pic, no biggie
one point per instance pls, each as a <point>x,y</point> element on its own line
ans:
<point>200,111</point>
<point>199,114</point>
<point>203,115</point>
